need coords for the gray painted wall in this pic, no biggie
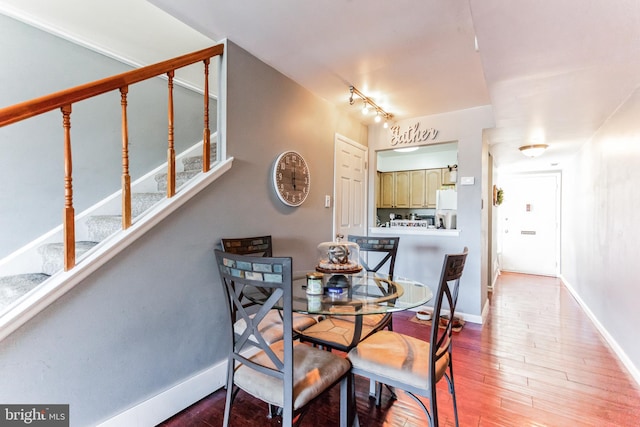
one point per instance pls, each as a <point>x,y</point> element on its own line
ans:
<point>36,63</point>
<point>154,315</point>
<point>600,232</point>
<point>465,127</point>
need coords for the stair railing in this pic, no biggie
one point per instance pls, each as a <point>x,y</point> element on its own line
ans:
<point>66,98</point>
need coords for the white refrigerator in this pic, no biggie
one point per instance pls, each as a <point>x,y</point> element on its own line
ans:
<point>446,208</point>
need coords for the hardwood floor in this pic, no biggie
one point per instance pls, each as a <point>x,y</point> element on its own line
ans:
<point>538,361</point>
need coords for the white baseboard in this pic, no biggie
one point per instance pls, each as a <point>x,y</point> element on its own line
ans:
<point>473,318</point>
<point>485,311</point>
<point>168,403</point>
<point>496,274</point>
<point>626,361</point>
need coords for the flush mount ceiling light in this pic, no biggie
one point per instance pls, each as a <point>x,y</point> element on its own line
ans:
<point>533,150</point>
<point>369,104</point>
<point>405,149</point>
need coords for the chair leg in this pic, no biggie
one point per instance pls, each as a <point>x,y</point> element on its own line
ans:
<point>433,422</point>
<point>433,403</point>
<point>345,401</point>
<point>227,405</point>
<point>348,408</point>
<point>378,394</point>
<point>375,390</point>
<point>274,411</point>
<point>452,390</point>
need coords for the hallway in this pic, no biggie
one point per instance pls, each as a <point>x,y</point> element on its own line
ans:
<point>537,361</point>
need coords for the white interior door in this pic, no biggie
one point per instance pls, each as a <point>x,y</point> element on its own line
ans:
<point>529,223</point>
<point>349,188</point>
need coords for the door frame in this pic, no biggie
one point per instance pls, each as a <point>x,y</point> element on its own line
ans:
<point>337,207</point>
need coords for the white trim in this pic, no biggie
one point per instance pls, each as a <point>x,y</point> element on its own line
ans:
<point>494,282</point>
<point>626,361</point>
<point>471,318</point>
<point>59,284</point>
<point>485,311</point>
<point>168,403</point>
<point>221,124</point>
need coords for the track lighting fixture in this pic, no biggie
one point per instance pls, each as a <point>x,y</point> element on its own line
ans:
<point>365,108</point>
<point>369,104</point>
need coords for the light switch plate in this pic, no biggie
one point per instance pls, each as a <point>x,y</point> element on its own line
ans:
<point>467,180</point>
<point>327,201</point>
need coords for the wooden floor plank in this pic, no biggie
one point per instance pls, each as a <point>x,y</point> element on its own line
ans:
<point>537,361</point>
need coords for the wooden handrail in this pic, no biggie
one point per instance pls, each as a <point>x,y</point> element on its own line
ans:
<point>66,98</point>
<point>34,107</point>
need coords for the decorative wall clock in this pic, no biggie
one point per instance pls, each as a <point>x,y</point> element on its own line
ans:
<point>291,178</point>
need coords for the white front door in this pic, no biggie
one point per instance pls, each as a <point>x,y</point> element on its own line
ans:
<point>529,224</point>
<point>349,188</point>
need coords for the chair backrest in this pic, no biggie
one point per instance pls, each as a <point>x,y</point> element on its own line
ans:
<point>447,292</point>
<point>386,246</point>
<point>241,274</point>
<point>260,245</point>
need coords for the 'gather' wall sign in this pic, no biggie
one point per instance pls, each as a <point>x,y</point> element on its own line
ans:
<point>412,135</point>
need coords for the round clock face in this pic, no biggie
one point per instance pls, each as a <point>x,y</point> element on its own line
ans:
<point>291,178</point>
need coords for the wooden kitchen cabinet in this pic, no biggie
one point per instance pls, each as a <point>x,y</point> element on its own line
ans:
<point>402,189</point>
<point>387,189</point>
<point>424,184</point>
<point>433,183</point>
<point>394,190</point>
<point>418,197</point>
<point>446,176</point>
<point>409,189</point>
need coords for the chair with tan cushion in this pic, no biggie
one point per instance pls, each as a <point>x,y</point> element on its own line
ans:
<point>284,374</point>
<point>412,364</point>
<point>377,254</point>
<point>271,325</point>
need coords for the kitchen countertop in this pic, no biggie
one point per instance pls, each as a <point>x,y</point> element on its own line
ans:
<point>421,231</point>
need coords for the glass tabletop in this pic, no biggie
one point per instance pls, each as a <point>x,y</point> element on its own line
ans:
<point>354,294</point>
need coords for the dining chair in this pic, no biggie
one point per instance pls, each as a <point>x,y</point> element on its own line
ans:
<point>411,364</point>
<point>286,374</point>
<point>271,325</point>
<point>377,254</point>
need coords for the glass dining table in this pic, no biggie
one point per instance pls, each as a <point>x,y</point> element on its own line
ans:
<point>356,294</point>
<point>359,293</point>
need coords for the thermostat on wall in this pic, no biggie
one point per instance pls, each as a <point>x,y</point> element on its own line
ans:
<point>467,180</point>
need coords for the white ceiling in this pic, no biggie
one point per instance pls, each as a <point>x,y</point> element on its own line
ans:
<point>554,70</point>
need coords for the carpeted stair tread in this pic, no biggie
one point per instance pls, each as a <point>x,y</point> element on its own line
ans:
<point>140,202</point>
<point>13,287</point>
<point>102,226</point>
<point>195,162</point>
<point>181,179</point>
<point>53,255</point>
